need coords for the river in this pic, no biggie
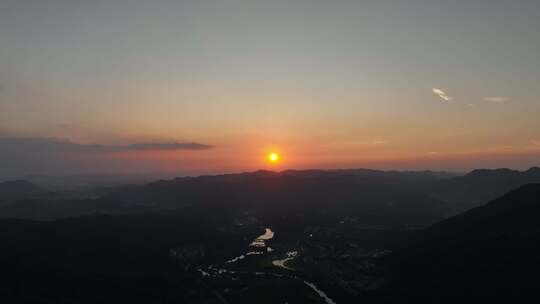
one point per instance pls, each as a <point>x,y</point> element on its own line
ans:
<point>260,242</point>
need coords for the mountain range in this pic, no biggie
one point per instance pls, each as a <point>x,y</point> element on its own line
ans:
<point>360,235</point>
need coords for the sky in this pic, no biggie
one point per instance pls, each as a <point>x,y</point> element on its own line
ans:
<point>408,85</point>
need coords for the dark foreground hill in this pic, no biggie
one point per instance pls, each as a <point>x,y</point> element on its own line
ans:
<point>110,259</point>
<point>487,253</point>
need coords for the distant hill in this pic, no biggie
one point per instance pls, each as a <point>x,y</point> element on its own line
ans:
<point>17,189</point>
<point>482,185</point>
<point>272,195</point>
<point>489,252</point>
<point>404,197</point>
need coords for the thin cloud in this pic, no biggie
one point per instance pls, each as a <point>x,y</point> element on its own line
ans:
<point>373,142</point>
<point>496,99</point>
<point>535,142</point>
<point>441,94</point>
<point>22,156</point>
<point>169,146</point>
<point>55,145</point>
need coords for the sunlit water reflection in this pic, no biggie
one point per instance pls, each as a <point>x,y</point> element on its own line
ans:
<point>257,244</point>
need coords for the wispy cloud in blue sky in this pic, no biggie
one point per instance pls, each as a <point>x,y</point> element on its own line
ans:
<point>497,99</point>
<point>442,94</point>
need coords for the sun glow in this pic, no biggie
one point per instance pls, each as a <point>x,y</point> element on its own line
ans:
<point>273,157</point>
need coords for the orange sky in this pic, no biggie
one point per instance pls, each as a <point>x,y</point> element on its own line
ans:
<point>332,84</point>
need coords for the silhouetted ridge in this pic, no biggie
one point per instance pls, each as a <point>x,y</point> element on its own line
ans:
<point>17,189</point>
<point>491,172</point>
<point>305,192</point>
<point>490,251</point>
<point>482,185</point>
<point>18,186</point>
<point>533,171</point>
<point>512,212</point>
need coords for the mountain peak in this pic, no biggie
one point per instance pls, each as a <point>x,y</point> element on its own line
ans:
<point>534,170</point>
<point>486,172</point>
<point>18,184</point>
<point>17,189</point>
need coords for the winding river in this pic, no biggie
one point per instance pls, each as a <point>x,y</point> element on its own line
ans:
<point>260,242</point>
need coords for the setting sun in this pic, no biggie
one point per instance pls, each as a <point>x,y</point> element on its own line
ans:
<point>273,157</point>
